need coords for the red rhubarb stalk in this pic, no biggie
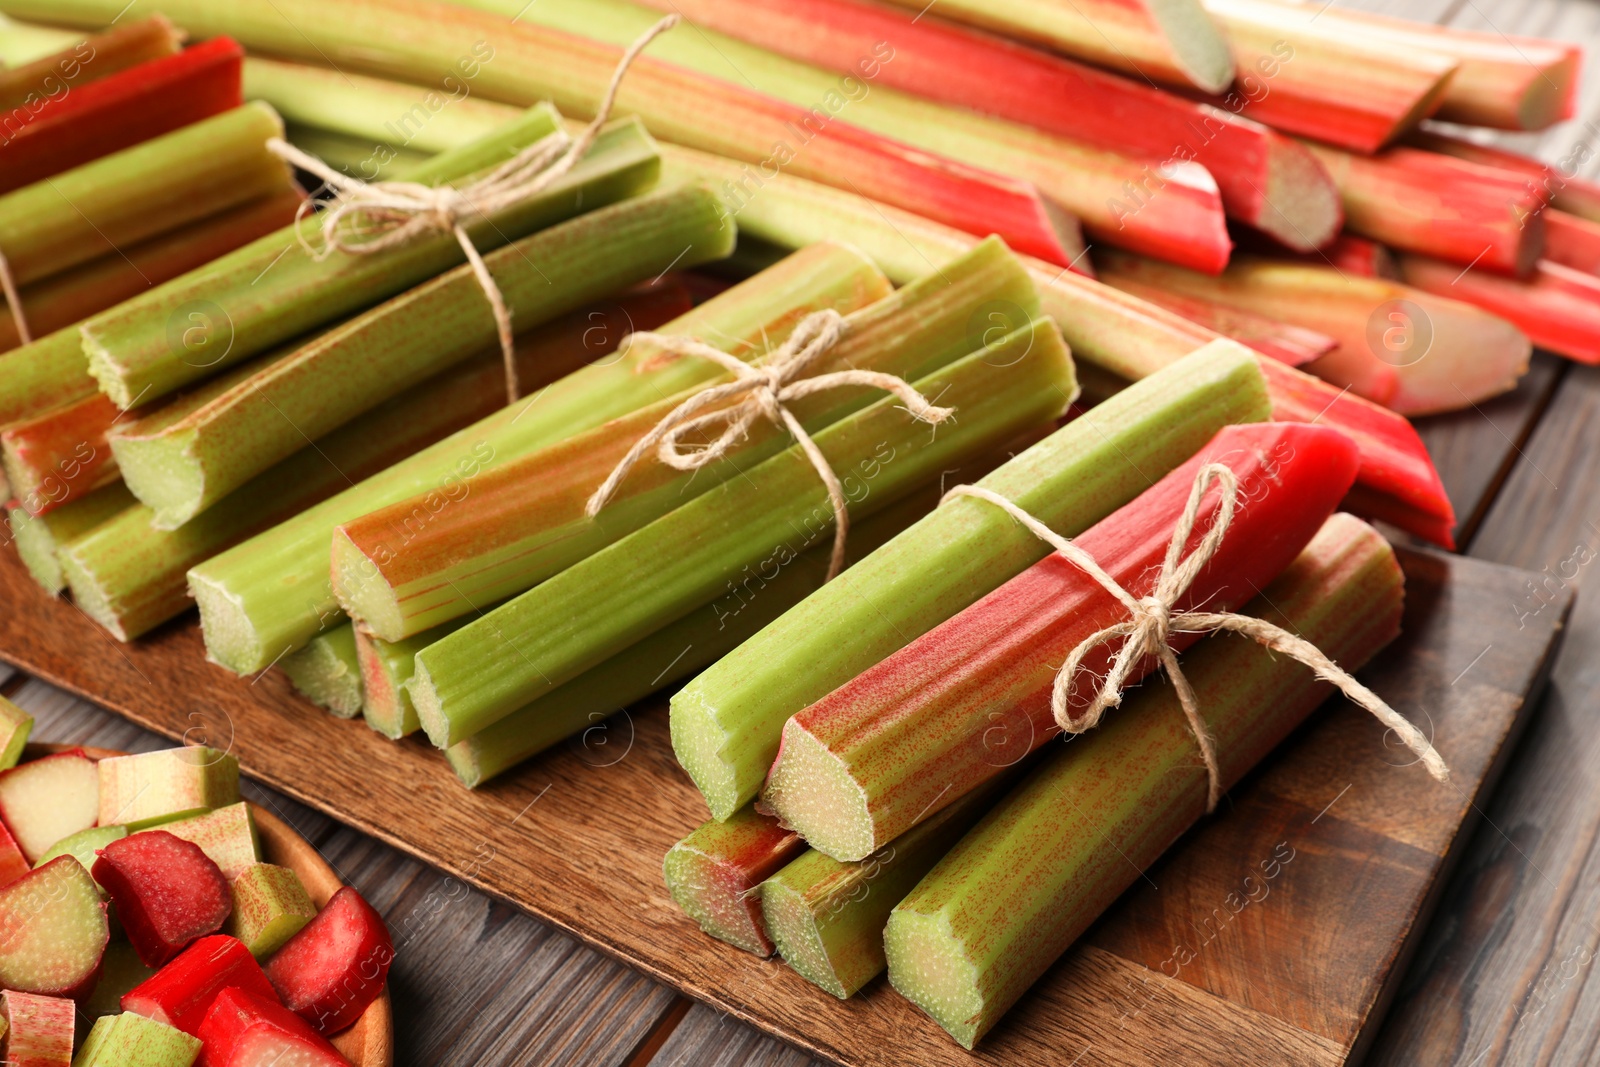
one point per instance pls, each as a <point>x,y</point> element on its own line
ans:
<point>167,891</point>
<point>245,1029</point>
<point>713,874</point>
<point>1440,206</point>
<point>1284,342</point>
<point>1510,83</point>
<point>60,456</point>
<point>1558,307</point>
<point>971,697</point>
<point>73,295</point>
<point>1265,179</point>
<point>1559,182</point>
<point>121,111</point>
<point>1306,75</point>
<point>1571,241</point>
<point>336,965</point>
<point>181,993</point>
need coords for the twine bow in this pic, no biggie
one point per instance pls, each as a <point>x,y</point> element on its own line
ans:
<point>767,388</point>
<point>8,285</point>
<point>367,218</point>
<point>1151,620</point>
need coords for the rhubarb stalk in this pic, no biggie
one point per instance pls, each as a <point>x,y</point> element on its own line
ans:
<point>683,560</point>
<point>327,673</point>
<point>34,85</point>
<point>726,724</point>
<point>39,538</point>
<point>998,910</point>
<point>120,111</point>
<point>1284,342</point>
<point>969,698</point>
<point>713,874</point>
<point>1571,241</point>
<point>1559,181</point>
<point>187,455</point>
<point>271,594</point>
<point>1558,307</point>
<point>139,192</point>
<point>527,520</point>
<point>59,456</point>
<point>1265,179</point>
<point>1412,351</point>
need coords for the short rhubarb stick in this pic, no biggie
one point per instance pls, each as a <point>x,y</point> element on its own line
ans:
<point>139,192</point>
<point>1440,206</point>
<point>1510,83</point>
<point>38,538</point>
<point>1173,41</point>
<point>130,1040</point>
<point>271,594</point>
<point>167,893</point>
<point>1412,351</point>
<point>118,112</point>
<point>185,456</point>
<point>1572,241</point>
<point>60,456</point>
<point>15,726</point>
<point>270,906</point>
<point>989,919</point>
<point>53,931</point>
<point>181,993</point>
<point>245,1030</point>
<point>684,559</point>
<point>527,519</point>
<point>169,784</point>
<point>45,800</point>
<point>38,1031</point>
<point>1309,76</point>
<point>727,723</point>
<point>713,874</point>
<point>272,290</point>
<point>916,732</point>
<point>336,965</point>
<point>83,62</point>
<point>327,671</point>
<point>386,667</point>
<point>227,835</point>
<point>83,845</point>
<point>1254,167</point>
<point>827,917</point>
<point>1558,307</point>
<point>1559,181</point>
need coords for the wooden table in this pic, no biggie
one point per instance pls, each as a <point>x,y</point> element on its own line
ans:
<point>1504,974</point>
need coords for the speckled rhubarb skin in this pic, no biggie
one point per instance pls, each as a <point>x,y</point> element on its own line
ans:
<point>37,1030</point>
<point>971,697</point>
<point>270,905</point>
<point>999,909</point>
<point>713,874</point>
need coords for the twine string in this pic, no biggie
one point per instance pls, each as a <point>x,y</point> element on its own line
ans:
<point>368,218</point>
<point>8,285</point>
<point>1151,621</point>
<point>762,391</point>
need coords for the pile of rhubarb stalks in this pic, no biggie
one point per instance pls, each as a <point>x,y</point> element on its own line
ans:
<point>139,926</point>
<point>1120,240</point>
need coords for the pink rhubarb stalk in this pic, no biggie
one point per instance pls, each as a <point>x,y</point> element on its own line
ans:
<point>1559,182</point>
<point>38,1031</point>
<point>713,874</point>
<point>120,111</point>
<point>1265,179</point>
<point>1284,342</point>
<point>1439,206</point>
<point>336,965</point>
<point>1571,241</point>
<point>971,697</point>
<point>1558,307</point>
<point>60,456</point>
<point>1306,75</point>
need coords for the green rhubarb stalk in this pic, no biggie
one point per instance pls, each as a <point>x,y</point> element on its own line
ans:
<point>272,289</point>
<point>668,656</point>
<point>726,724</point>
<point>713,874</point>
<point>271,595</point>
<point>152,188</point>
<point>528,522</point>
<point>22,43</point>
<point>186,456</point>
<point>386,667</point>
<point>360,159</point>
<point>681,561</point>
<point>827,916</point>
<point>39,538</point>
<point>15,725</point>
<point>327,673</point>
<point>129,576</point>
<point>41,376</point>
<point>998,910</point>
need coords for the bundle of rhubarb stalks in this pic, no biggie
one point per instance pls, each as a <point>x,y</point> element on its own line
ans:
<point>136,914</point>
<point>505,454</point>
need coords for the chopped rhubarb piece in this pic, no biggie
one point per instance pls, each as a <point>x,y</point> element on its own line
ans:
<point>120,971</point>
<point>38,1030</point>
<point>15,725</point>
<point>227,835</point>
<point>253,1031</point>
<point>167,892</point>
<point>156,787</point>
<point>13,864</point>
<point>181,993</point>
<point>269,907</point>
<point>330,971</point>
<point>129,1040</point>
<point>83,845</point>
<point>53,931</point>
<point>47,799</point>
<point>713,874</point>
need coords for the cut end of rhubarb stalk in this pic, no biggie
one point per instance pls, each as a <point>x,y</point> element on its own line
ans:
<point>363,593</point>
<point>15,726</point>
<point>231,638</point>
<point>227,835</point>
<point>104,370</point>
<point>793,928</point>
<point>928,969</point>
<point>697,740</point>
<point>812,790</point>
<point>336,965</point>
<point>164,472</point>
<point>46,800</point>
<point>1303,210</point>
<point>167,892</point>
<point>326,671</point>
<point>430,711</point>
<point>715,872</point>
<point>1198,46</point>
<point>83,845</point>
<point>53,931</point>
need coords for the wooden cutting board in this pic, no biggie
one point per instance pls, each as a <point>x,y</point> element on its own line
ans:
<point>1194,966</point>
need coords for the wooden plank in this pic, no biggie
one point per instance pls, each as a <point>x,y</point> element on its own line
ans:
<point>474,981</point>
<point>1506,973</point>
<point>580,844</point>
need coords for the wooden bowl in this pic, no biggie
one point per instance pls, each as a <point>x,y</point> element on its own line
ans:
<point>370,1041</point>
